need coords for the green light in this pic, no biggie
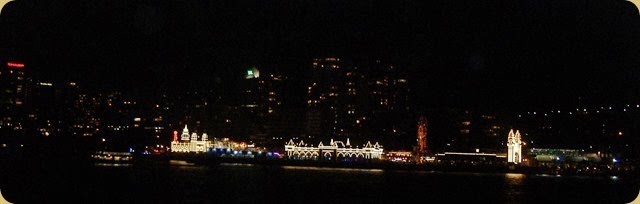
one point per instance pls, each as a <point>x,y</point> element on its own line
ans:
<point>250,72</point>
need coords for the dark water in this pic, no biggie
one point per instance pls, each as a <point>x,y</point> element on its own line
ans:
<point>235,183</point>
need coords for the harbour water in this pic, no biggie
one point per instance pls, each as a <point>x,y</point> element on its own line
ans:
<point>245,183</point>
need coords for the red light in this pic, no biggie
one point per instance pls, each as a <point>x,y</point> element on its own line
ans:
<point>15,65</point>
<point>175,135</point>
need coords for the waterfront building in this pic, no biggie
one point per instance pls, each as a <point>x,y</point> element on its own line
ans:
<point>203,143</point>
<point>335,150</point>
<point>190,143</point>
<point>551,155</point>
<point>514,145</point>
<point>399,156</point>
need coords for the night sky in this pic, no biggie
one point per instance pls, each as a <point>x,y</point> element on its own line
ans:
<point>493,55</point>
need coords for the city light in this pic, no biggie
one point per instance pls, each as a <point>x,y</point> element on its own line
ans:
<point>144,73</point>
<point>514,147</point>
<point>15,65</point>
<point>339,149</point>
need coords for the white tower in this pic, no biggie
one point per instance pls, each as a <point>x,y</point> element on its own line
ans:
<point>185,133</point>
<point>514,145</point>
<point>194,137</point>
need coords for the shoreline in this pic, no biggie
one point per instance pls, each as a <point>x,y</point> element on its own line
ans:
<point>204,160</point>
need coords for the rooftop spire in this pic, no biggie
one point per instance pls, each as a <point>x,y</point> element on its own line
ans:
<point>185,130</point>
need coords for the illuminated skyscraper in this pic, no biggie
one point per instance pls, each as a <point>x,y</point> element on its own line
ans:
<point>386,104</point>
<point>362,101</point>
<point>262,93</point>
<point>12,99</point>
<point>262,102</point>
<point>332,110</point>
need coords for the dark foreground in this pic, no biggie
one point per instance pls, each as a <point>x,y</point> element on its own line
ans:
<point>177,182</point>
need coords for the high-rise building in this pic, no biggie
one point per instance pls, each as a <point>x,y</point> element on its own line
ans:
<point>262,104</point>
<point>87,122</point>
<point>332,108</point>
<point>67,112</point>
<point>12,100</point>
<point>361,101</point>
<point>262,93</point>
<point>386,104</point>
<point>42,104</point>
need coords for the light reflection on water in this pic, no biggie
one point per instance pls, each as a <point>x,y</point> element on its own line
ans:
<point>331,169</point>
<point>513,189</point>
<point>514,179</point>
<point>190,167</point>
<point>112,164</point>
<point>235,164</point>
<point>180,163</point>
<point>246,183</point>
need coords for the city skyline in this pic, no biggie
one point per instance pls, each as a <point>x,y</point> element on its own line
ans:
<point>258,115</point>
<point>351,101</point>
<point>329,77</point>
<point>493,62</point>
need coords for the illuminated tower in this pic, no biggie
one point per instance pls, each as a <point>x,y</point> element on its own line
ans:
<point>331,111</point>
<point>262,98</point>
<point>514,145</point>
<point>175,136</point>
<point>194,137</point>
<point>185,133</point>
<point>423,147</point>
<point>12,99</point>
